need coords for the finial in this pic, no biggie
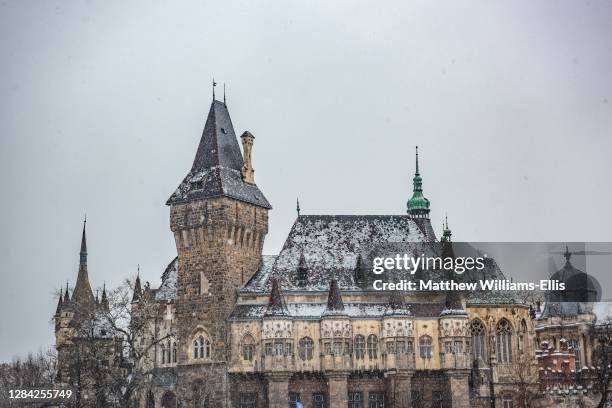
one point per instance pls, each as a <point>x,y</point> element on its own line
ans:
<point>298,207</point>
<point>138,270</point>
<point>446,220</point>
<point>213,87</point>
<point>417,160</point>
<point>85,219</point>
<point>567,253</point>
<point>224,93</point>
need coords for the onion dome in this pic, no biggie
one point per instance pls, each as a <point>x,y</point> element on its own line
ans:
<point>418,205</point>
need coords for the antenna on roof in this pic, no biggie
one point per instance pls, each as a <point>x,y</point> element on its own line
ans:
<point>214,84</point>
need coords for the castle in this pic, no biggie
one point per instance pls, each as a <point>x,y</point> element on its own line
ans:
<point>245,330</point>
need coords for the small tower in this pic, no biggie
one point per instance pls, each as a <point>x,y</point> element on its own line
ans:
<point>446,232</point>
<point>418,205</point>
<point>302,271</point>
<point>335,305</point>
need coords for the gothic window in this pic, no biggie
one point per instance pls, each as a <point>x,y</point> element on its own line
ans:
<point>507,401</point>
<point>372,346</point>
<point>478,339</point>
<point>327,347</point>
<point>390,347</point>
<point>400,347</point>
<point>359,346</point>
<point>504,341</point>
<point>425,350</point>
<point>289,348</point>
<point>338,348</point>
<point>355,399</point>
<point>448,347</point>
<point>163,353</point>
<point>409,347</point>
<point>376,400</point>
<point>248,400</point>
<point>168,400</point>
<point>306,346</point>
<point>248,347</point>
<point>174,352</point>
<point>279,348</point>
<point>201,348</point>
<point>575,345</point>
<point>458,347</point>
<point>268,348</point>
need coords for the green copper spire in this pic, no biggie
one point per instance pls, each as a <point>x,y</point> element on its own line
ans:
<point>446,232</point>
<point>418,205</point>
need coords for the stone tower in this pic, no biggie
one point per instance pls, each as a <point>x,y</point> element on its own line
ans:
<point>219,219</point>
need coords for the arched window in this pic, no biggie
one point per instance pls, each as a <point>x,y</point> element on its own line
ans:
<point>372,346</point>
<point>507,401</point>
<point>504,341</point>
<point>201,348</point>
<point>359,346</point>
<point>174,352</point>
<point>248,347</point>
<point>478,339</point>
<point>425,350</point>
<point>163,353</point>
<point>522,335</point>
<point>168,400</point>
<point>306,346</point>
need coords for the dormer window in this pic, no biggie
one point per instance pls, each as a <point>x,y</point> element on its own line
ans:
<point>223,131</point>
<point>197,185</point>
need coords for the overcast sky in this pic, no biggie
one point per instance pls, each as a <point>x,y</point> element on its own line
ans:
<point>102,105</point>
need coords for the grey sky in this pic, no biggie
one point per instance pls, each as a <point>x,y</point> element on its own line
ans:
<point>103,103</point>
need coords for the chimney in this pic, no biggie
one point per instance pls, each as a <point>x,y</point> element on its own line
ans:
<point>248,174</point>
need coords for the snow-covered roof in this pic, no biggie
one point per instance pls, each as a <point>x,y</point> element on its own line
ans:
<point>167,289</point>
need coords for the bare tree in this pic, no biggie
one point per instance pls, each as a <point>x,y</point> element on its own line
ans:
<point>111,357</point>
<point>36,370</point>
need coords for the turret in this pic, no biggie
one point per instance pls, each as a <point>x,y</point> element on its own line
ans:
<point>104,300</point>
<point>137,288</point>
<point>248,173</point>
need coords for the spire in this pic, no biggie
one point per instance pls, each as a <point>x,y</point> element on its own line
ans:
<point>104,300</point>
<point>66,294</point>
<point>213,87</point>
<point>82,293</point>
<point>276,304</point>
<point>297,208</point>
<point>418,205</point>
<point>334,298</point>
<point>224,102</point>
<point>83,253</point>
<point>137,287</point>
<point>59,303</point>
<point>567,255</point>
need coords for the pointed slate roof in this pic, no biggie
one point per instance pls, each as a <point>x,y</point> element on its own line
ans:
<point>276,304</point>
<point>82,294</point>
<point>104,301</point>
<point>137,289</point>
<point>335,305</point>
<point>59,303</point>
<point>217,167</point>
